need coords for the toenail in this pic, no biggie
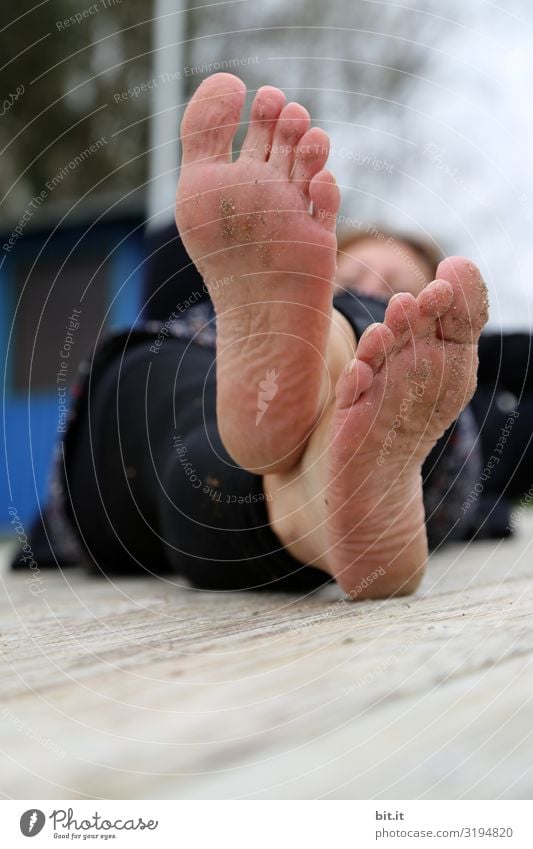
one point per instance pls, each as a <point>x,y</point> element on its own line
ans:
<point>350,366</point>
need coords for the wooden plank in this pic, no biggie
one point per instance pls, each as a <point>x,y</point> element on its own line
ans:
<point>147,689</point>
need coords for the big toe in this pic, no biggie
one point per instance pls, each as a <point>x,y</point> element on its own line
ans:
<point>469,311</point>
<point>211,119</point>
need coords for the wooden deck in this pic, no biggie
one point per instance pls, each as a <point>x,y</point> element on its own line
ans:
<point>141,689</point>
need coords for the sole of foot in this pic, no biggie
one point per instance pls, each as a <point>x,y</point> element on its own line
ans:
<point>360,482</point>
<point>261,231</point>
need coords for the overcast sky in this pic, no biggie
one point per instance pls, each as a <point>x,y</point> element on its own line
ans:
<point>458,165</point>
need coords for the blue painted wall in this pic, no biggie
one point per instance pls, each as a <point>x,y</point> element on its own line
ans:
<point>30,419</point>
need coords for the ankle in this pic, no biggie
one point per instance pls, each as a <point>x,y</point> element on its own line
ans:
<point>296,516</point>
<point>342,345</point>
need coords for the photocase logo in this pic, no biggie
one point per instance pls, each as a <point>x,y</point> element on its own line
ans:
<point>32,822</point>
<point>267,391</point>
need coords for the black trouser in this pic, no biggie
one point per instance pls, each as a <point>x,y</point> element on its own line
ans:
<point>505,383</point>
<point>153,489</point>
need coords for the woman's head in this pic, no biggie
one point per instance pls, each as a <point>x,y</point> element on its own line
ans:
<point>379,264</point>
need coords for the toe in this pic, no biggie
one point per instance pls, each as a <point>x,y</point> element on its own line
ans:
<point>468,313</point>
<point>435,299</point>
<point>211,119</point>
<point>402,313</point>
<point>311,156</point>
<point>265,112</point>
<point>375,344</point>
<point>292,123</point>
<point>356,378</point>
<point>326,197</point>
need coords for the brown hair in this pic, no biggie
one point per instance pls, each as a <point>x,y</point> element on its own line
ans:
<point>424,248</point>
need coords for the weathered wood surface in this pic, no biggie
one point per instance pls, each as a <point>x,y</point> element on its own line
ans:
<point>144,689</point>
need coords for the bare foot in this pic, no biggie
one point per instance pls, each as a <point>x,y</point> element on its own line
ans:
<point>359,481</point>
<point>261,231</point>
